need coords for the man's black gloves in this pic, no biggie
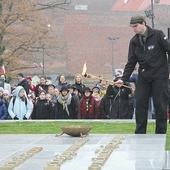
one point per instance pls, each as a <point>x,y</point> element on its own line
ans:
<point>15,118</point>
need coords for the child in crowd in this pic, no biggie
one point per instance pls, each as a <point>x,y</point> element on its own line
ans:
<point>48,96</point>
<point>19,106</point>
<point>96,95</point>
<point>88,105</point>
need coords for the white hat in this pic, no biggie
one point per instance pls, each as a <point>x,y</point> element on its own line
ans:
<point>6,92</point>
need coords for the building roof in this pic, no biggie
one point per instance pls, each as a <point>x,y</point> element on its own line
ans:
<point>135,5</point>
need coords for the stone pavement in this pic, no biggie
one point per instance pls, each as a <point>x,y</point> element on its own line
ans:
<point>105,151</point>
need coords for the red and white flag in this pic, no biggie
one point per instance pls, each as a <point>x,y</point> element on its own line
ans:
<point>2,69</point>
<point>36,65</point>
<point>41,65</point>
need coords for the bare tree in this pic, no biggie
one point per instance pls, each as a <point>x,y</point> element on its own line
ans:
<point>24,30</point>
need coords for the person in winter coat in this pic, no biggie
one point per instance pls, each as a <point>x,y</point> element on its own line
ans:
<point>23,82</point>
<point>41,86</point>
<point>7,98</point>
<point>102,85</point>
<point>96,95</point>
<point>148,47</point>
<point>121,107</point>
<point>2,97</point>
<point>7,86</point>
<point>42,107</point>
<point>61,82</point>
<point>3,111</point>
<point>19,107</point>
<point>66,105</point>
<point>87,106</point>
<point>71,89</point>
<point>51,91</point>
<point>79,84</point>
<point>106,104</point>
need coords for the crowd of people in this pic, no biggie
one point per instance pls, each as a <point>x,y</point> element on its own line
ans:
<point>148,49</point>
<point>63,100</point>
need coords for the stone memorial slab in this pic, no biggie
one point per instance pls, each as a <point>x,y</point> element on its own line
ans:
<point>105,151</point>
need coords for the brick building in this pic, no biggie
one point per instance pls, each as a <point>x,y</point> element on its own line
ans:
<point>84,31</point>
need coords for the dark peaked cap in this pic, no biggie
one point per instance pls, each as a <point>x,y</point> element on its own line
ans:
<point>137,19</point>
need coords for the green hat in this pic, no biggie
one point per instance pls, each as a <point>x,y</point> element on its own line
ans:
<point>137,19</point>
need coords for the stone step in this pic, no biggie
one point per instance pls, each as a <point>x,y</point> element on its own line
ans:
<point>167,160</point>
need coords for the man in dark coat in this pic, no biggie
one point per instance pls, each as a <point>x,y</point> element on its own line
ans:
<point>23,82</point>
<point>149,49</point>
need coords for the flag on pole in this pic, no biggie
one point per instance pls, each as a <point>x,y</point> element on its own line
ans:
<point>2,69</point>
<point>38,65</point>
<point>41,65</point>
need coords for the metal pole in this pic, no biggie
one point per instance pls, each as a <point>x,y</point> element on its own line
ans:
<point>152,17</point>
<point>112,40</point>
<point>43,69</point>
<point>112,59</point>
<point>169,73</point>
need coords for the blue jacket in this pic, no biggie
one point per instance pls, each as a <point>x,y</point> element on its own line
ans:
<point>3,110</point>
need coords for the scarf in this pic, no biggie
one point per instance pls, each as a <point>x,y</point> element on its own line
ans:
<point>65,101</point>
<point>87,107</point>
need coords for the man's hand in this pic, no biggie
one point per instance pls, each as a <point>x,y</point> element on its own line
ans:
<point>119,83</point>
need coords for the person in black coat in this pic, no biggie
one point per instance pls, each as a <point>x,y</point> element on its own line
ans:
<point>41,86</point>
<point>148,48</point>
<point>115,104</point>
<point>42,107</point>
<point>23,82</point>
<point>106,104</point>
<point>79,84</point>
<point>66,105</point>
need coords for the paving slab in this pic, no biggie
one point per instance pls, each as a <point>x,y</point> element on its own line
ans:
<point>131,152</point>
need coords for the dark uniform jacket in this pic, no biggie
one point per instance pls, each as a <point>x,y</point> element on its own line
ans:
<point>42,110</point>
<point>152,57</point>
